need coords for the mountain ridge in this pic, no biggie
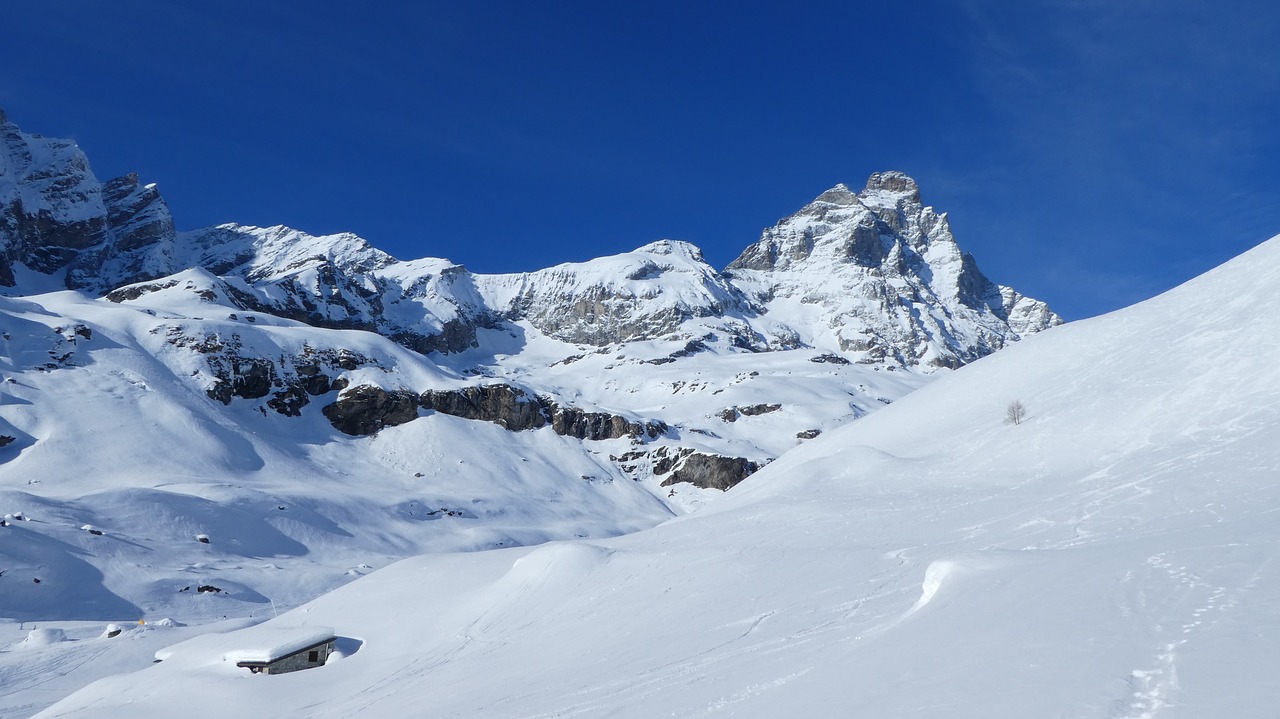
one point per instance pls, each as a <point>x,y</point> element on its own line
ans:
<point>112,234</point>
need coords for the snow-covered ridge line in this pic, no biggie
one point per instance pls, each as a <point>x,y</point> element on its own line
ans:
<point>875,274</point>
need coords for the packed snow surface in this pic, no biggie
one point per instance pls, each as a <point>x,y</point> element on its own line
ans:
<point>1113,555</point>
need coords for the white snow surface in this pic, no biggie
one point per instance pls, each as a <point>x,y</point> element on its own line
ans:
<point>1112,556</point>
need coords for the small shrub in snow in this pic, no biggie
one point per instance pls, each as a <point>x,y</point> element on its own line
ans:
<point>1015,413</point>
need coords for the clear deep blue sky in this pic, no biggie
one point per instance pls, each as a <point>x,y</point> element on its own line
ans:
<point>1091,153</point>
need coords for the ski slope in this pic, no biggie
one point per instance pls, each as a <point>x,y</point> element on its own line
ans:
<point>1113,556</point>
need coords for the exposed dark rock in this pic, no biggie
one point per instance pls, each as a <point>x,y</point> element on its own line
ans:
<point>573,422</point>
<point>665,463</point>
<point>208,343</point>
<point>690,348</point>
<point>501,404</point>
<point>316,384</point>
<point>366,409</point>
<point>290,381</point>
<point>137,220</point>
<point>832,358</point>
<point>732,414</point>
<point>455,336</point>
<point>659,460</point>
<point>6,440</point>
<point>712,471</point>
<point>808,434</point>
<point>252,377</point>
<point>126,202</point>
<point>220,391</point>
<point>290,400</point>
<point>516,410</point>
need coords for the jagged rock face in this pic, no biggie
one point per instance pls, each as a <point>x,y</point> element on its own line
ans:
<point>366,409</point>
<point>886,278</point>
<point>54,212</point>
<point>141,238</point>
<point>501,404</point>
<point>518,410</point>
<point>50,203</point>
<point>574,422</point>
<point>289,380</point>
<point>712,471</point>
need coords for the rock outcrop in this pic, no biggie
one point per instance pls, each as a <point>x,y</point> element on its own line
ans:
<point>365,409</point>
<point>712,471</point>
<point>500,404</point>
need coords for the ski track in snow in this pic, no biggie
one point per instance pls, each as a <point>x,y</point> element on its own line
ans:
<point>1194,604</point>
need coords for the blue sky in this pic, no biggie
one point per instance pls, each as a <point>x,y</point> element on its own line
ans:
<point>1089,153</point>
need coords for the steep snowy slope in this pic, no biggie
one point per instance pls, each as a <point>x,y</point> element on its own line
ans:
<point>1110,556</point>
<point>155,426</point>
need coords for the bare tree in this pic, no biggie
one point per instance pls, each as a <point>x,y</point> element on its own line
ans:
<point>1015,413</point>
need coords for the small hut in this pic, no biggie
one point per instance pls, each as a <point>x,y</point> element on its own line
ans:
<point>285,649</point>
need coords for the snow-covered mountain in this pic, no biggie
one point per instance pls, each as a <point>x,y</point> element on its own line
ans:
<point>233,420</point>
<point>1111,555</point>
<point>876,274</point>
<point>880,275</point>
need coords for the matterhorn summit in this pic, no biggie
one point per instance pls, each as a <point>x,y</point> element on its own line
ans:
<point>879,274</point>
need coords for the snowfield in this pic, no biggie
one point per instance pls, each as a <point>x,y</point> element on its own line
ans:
<point>1112,556</point>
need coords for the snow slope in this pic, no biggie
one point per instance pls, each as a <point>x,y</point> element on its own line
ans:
<point>1111,556</point>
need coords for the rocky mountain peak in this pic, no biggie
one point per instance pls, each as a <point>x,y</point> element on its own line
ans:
<point>888,278</point>
<point>838,196</point>
<point>677,248</point>
<point>892,183</point>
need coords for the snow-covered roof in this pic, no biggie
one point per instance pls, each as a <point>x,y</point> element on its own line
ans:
<point>256,644</point>
<point>270,644</point>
